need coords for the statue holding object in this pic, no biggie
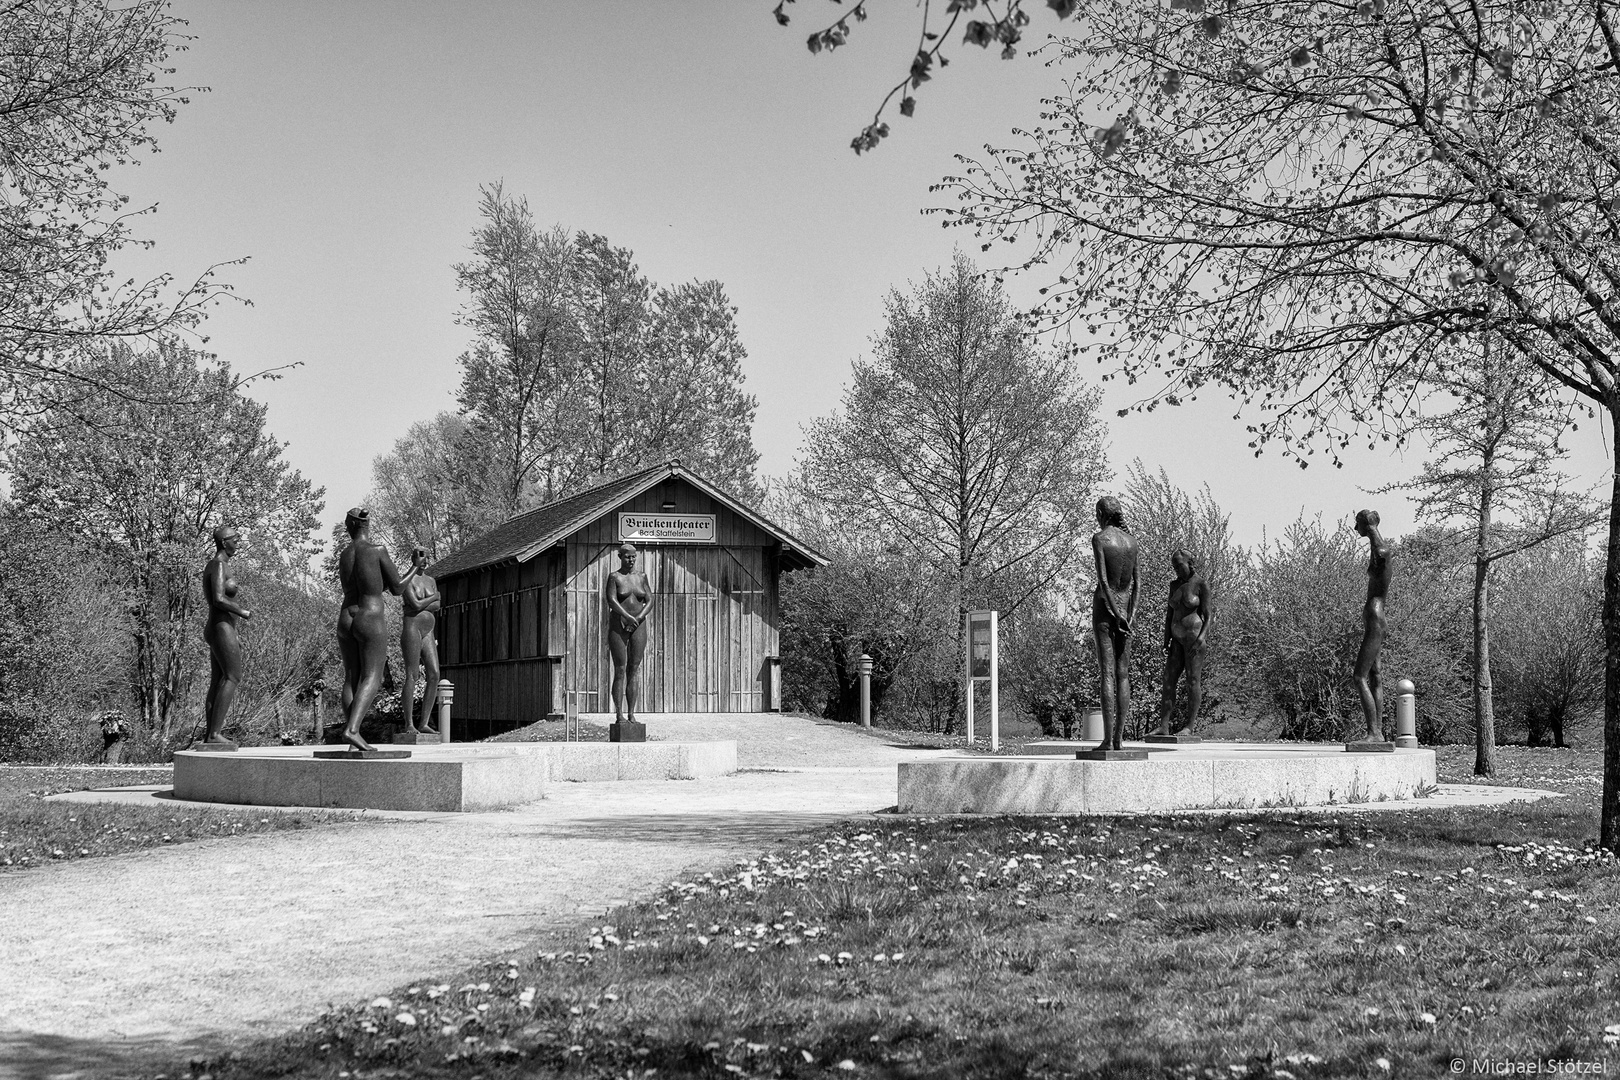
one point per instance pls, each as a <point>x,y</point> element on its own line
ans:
<point>220,632</point>
<point>1368,684</point>
<point>1113,609</point>
<point>1187,616</point>
<point>629,600</point>
<point>418,644</point>
<point>367,572</point>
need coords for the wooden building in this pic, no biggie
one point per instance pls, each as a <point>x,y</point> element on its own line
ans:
<point>523,631</point>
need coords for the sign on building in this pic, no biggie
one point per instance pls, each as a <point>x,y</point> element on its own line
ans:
<point>667,528</point>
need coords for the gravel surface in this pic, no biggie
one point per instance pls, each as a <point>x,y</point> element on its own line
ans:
<point>116,964</point>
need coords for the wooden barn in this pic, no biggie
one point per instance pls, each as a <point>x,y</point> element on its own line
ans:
<point>523,629</point>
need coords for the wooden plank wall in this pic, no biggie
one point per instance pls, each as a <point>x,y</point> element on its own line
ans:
<point>713,620</point>
<point>490,639</point>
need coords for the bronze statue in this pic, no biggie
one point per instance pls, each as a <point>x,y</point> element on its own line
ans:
<point>1379,573</point>
<point>1113,607</point>
<point>224,645</point>
<point>417,643</point>
<point>629,598</point>
<point>366,571</point>
<point>1186,622</point>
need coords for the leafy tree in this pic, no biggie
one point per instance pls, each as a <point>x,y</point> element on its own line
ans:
<point>963,445</point>
<point>147,478</point>
<point>424,491</point>
<point>81,87</point>
<point>1495,473</point>
<point>1318,207</point>
<point>1050,666</point>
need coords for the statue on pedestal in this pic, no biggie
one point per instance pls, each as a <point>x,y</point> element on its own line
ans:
<point>367,572</point>
<point>220,632</point>
<point>1379,572</point>
<point>629,599</point>
<point>1186,622</point>
<point>418,644</point>
<point>1113,608</point>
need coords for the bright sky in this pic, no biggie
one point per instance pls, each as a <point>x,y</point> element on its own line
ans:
<point>341,147</point>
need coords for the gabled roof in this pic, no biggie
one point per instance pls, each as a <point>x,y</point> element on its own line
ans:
<point>521,538</point>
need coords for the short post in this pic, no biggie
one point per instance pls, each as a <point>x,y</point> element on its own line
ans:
<point>1092,730</point>
<point>447,694</point>
<point>995,683</point>
<point>1405,713</point>
<point>864,666</point>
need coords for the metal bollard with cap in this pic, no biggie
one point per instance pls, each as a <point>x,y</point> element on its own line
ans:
<point>1092,730</point>
<point>447,694</point>
<point>864,666</point>
<point>1405,713</point>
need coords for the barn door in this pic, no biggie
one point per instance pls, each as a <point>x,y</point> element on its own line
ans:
<point>681,673</point>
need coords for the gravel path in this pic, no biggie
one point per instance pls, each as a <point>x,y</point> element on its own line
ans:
<point>109,964</point>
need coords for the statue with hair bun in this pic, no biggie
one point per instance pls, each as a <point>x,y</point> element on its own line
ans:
<point>1113,609</point>
<point>220,632</point>
<point>1368,683</point>
<point>1186,623</point>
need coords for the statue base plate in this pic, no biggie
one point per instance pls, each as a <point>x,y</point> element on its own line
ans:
<point>213,747</point>
<point>627,731</point>
<point>1369,746</point>
<point>1177,738</point>
<point>1111,755</point>
<point>362,755</point>
<point>411,737</point>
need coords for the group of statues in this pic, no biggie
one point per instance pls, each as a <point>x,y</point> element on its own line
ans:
<point>367,572</point>
<point>1187,619</point>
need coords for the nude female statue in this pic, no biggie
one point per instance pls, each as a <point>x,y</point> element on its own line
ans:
<point>417,643</point>
<point>366,571</point>
<point>1379,572</point>
<point>224,646</point>
<point>629,598</point>
<point>1113,607</point>
<point>1186,622</point>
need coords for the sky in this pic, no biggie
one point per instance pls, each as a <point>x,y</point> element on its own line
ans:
<point>340,148</point>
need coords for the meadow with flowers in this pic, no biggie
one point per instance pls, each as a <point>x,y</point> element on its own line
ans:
<point>1288,944</point>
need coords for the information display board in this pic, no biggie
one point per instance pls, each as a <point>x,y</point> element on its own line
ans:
<point>983,659</point>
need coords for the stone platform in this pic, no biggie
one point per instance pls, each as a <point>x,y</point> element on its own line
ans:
<point>456,777</point>
<point>1206,775</point>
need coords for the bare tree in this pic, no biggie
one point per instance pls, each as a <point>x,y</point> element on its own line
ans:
<point>1318,206</point>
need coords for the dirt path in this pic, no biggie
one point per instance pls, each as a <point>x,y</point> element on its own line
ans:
<point>111,963</point>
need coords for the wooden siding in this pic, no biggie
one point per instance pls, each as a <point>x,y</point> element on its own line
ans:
<point>714,621</point>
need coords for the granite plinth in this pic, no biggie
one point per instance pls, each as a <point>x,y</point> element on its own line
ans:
<point>412,737</point>
<point>627,731</point>
<point>1110,755</point>
<point>453,777</point>
<point>1206,775</point>
<point>1369,746</point>
<point>1178,739</point>
<point>353,754</point>
<point>213,747</point>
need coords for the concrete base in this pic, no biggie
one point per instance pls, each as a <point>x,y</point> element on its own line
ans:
<point>1207,775</point>
<point>1369,746</point>
<point>353,754</point>
<point>1175,740</point>
<point>1110,755</point>
<point>457,777</point>
<point>213,747</point>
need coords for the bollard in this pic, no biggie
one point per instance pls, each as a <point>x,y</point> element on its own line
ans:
<point>864,666</point>
<point>447,694</point>
<point>1093,730</point>
<point>1405,713</point>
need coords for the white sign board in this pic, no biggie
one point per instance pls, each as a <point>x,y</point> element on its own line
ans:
<point>667,528</point>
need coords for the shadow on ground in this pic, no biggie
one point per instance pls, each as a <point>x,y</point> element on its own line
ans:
<point>695,829</point>
<point>27,1055</point>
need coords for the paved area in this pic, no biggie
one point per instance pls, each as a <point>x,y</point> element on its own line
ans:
<point>111,963</point>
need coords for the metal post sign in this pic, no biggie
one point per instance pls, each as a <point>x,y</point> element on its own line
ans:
<point>667,528</point>
<point>983,660</point>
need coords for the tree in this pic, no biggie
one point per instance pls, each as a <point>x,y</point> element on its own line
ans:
<point>80,90</point>
<point>1495,473</point>
<point>424,492</point>
<point>1317,207</point>
<point>147,476</point>
<point>963,445</point>
<point>581,369</point>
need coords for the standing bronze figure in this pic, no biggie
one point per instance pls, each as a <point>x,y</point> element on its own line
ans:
<point>418,644</point>
<point>1379,572</point>
<point>1186,622</point>
<point>366,571</point>
<point>629,598</point>
<point>220,632</point>
<point>1113,608</point>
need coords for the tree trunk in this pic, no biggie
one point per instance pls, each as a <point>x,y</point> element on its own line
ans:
<point>1484,710</point>
<point>1609,832</point>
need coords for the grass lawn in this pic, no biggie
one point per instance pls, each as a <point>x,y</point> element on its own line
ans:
<point>34,832</point>
<point>1267,945</point>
